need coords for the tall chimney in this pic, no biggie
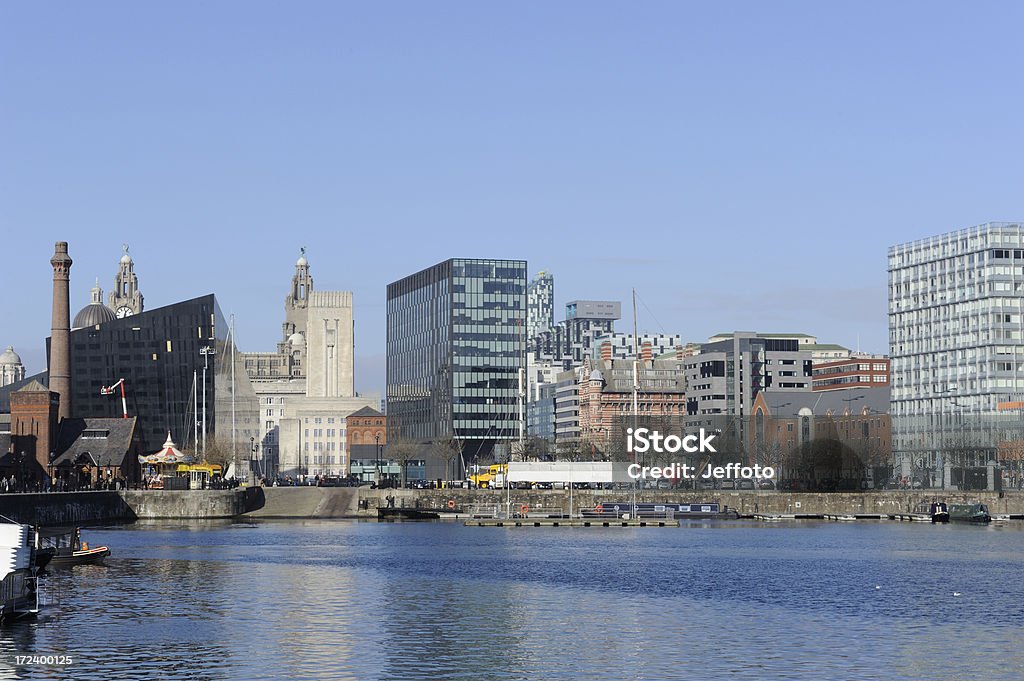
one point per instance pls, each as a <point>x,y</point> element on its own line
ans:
<point>606,350</point>
<point>60,331</point>
<point>646,352</point>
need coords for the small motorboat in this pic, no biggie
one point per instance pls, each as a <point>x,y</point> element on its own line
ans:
<point>939,512</point>
<point>69,549</point>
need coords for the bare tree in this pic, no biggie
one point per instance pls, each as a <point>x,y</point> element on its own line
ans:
<point>403,451</point>
<point>448,450</point>
<point>219,452</point>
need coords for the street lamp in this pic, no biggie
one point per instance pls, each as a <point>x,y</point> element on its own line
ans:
<point>252,458</point>
<point>205,351</point>
<point>376,477</point>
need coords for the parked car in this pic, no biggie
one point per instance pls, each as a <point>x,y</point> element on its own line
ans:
<point>744,484</point>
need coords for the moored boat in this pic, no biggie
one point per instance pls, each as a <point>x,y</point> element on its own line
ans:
<point>391,513</point>
<point>939,512</point>
<point>970,513</point>
<point>69,549</point>
<point>618,509</point>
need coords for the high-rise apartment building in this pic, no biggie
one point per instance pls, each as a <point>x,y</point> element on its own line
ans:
<point>956,303</point>
<point>540,304</point>
<point>456,337</point>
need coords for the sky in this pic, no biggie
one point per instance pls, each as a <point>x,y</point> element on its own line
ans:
<point>743,165</point>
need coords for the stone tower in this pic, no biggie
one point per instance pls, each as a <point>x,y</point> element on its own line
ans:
<point>60,329</point>
<point>125,300</point>
<point>296,304</point>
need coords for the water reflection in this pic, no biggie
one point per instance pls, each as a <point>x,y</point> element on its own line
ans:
<point>341,600</point>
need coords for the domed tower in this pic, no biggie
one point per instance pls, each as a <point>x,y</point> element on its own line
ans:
<point>95,312</point>
<point>296,303</point>
<point>126,299</point>
<point>11,368</point>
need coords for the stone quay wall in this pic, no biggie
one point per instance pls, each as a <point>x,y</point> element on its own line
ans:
<point>348,502</point>
<point>54,509</point>
<point>85,508</point>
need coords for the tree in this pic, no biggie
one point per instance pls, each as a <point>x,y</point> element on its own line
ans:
<point>448,450</point>
<point>402,451</point>
<point>219,452</point>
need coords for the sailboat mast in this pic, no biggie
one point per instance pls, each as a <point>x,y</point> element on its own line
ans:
<point>195,411</point>
<point>234,435</point>
<point>636,364</point>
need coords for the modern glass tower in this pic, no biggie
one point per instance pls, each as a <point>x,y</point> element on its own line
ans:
<point>455,345</point>
<point>956,303</point>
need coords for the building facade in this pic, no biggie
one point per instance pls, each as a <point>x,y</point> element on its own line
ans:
<point>160,355</point>
<point>857,371</point>
<point>455,349</point>
<point>606,398</point>
<point>540,304</point>
<point>727,375</point>
<point>849,430</point>
<point>306,389</point>
<point>956,303</point>
<point>623,345</point>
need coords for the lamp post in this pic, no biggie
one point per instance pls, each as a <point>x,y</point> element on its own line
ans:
<point>376,476</point>
<point>252,458</point>
<point>205,351</point>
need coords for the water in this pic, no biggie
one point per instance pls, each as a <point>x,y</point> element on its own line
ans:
<point>362,600</point>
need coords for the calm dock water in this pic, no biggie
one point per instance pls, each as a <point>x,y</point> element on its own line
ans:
<point>366,600</point>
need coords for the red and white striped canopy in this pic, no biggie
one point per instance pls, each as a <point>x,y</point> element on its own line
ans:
<point>169,454</point>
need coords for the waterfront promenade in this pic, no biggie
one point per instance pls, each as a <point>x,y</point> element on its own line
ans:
<point>69,508</point>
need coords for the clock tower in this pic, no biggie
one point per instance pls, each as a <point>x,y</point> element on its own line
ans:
<point>125,299</point>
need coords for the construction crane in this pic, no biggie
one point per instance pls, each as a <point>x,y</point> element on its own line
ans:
<point>110,391</point>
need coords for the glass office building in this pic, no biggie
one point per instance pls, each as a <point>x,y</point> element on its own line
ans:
<point>956,303</point>
<point>157,353</point>
<point>455,344</point>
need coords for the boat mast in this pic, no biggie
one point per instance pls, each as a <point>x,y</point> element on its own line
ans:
<point>636,390</point>
<point>234,438</point>
<point>195,411</point>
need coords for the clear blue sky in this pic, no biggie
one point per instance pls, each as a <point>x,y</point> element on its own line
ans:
<point>743,165</point>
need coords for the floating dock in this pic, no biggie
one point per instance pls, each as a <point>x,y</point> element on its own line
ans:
<point>575,522</point>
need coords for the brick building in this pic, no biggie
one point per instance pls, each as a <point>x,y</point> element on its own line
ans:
<point>856,371</point>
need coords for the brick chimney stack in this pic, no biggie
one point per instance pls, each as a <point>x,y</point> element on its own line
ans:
<point>646,353</point>
<point>606,351</point>
<point>60,330</point>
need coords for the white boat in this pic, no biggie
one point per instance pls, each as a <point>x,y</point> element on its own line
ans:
<point>18,582</point>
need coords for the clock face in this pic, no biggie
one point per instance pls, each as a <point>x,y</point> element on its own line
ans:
<point>124,311</point>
